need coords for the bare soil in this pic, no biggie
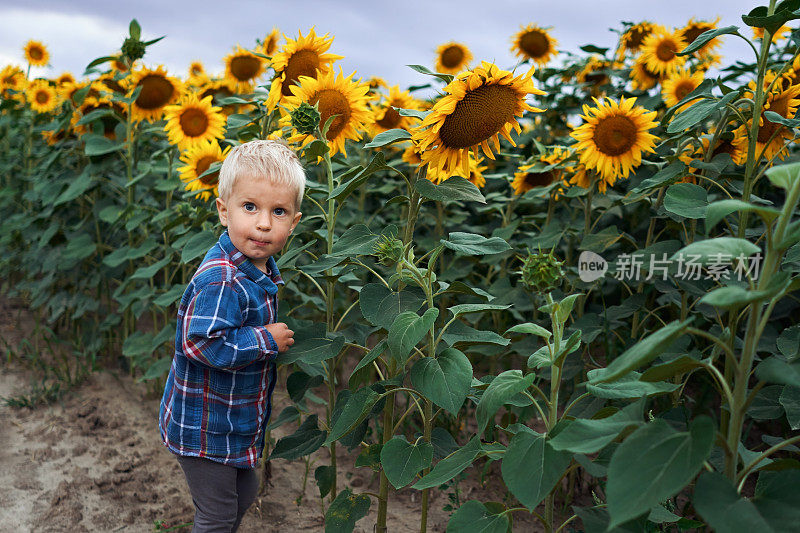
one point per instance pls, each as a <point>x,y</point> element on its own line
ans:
<point>93,461</point>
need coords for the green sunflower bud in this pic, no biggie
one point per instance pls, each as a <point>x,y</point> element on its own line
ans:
<point>388,250</point>
<point>305,118</point>
<point>133,49</point>
<point>542,271</point>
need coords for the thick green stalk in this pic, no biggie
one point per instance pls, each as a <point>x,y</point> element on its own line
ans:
<point>552,415</point>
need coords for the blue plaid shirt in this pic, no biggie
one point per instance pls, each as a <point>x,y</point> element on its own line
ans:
<point>218,394</point>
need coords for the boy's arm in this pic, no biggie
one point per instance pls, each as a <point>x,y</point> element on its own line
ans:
<point>213,333</point>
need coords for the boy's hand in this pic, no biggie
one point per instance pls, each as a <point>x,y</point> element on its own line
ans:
<point>283,336</point>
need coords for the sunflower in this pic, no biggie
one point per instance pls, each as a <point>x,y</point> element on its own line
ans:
<point>111,83</point>
<point>695,28</point>
<point>118,64</point>
<point>196,69</point>
<point>452,58</point>
<point>219,89</point>
<point>243,68</point>
<point>36,53</point>
<point>158,91</point>
<point>705,61</point>
<point>642,78</point>
<point>659,51</point>
<point>197,159</point>
<point>97,91</point>
<point>193,120</point>
<point>333,95</point>
<point>537,174</point>
<point>726,143</point>
<point>613,137</point>
<point>64,78</point>
<point>631,40</point>
<point>772,136</point>
<point>304,56</point>
<point>386,117</point>
<point>53,137</point>
<point>593,73</point>
<point>474,174</point>
<point>480,105</point>
<point>109,123</point>
<point>535,44</point>
<point>678,85</point>
<point>412,155</point>
<point>42,96</point>
<point>781,33</point>
<point>11,78</point>
<point>270,44</point>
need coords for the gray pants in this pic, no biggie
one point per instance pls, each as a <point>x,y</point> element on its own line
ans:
<point>221,493</point>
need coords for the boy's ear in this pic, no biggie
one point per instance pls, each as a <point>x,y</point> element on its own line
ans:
<point>297,217</point>
<point>222,211</point>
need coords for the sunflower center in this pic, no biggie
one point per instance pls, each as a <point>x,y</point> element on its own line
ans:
<point>635,37</point>
<point>535,43</point>
<point>724,147</point>
<point>539,179</point>
<point>302,63</point>
<point>694,32</point>
<point>478,116</point>
<point>452,56</point>
<point>683,88</point>
<point>332,102</point>
<point>779,106</point>
<point>202,165</point>
<point>272,44</point>
<point>245,67</point>
<point>42,97</point>
<point>194,122</point>
<point>197,70</point>
<point>156,92</point>
<point>36,53</point>
<point>665,51</point>
<point>390,119</point>
<point>615,135</point>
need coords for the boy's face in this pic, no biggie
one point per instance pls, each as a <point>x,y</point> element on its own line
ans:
<point>259,216</point>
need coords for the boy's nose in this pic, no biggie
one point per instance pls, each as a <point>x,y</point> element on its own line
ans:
<point>264,223</point>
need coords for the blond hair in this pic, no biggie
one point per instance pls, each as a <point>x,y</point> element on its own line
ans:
<point>272,160</point>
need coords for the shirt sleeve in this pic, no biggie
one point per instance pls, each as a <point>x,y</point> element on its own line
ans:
<point>214,334</point>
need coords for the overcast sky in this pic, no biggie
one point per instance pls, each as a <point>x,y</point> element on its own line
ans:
<point>377,38</point>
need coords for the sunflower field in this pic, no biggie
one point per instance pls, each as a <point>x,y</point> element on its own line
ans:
<point>577,277</point>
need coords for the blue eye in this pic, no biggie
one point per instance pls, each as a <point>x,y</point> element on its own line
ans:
<point>249,207</point>
<point>280,211</point>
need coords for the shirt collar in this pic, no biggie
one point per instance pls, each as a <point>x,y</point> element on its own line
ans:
<point>268,281</point>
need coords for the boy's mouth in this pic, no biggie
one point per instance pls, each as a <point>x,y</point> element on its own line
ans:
<point>259,243</point>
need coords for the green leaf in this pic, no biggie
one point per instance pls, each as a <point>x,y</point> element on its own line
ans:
<point>298,383</point>
<point>475,517</point>
<point>674,367</point>
<point>325,477</point>
<point>463,309</point>
<point>531,467</point>
<point>589,436</point>
<point>785,11</point>
<point>137,343</point>
<point>345,511</point>
<point>356,240</point>
<point>79,247</point>
<point>784,176</point>
<point>773,508</point>
<point>452,465</point>
<point>307,439</point>
<point>388,137</point>
<point>198,246</point>
<point>733,296</point>
<point>460,332</point>
<point>401,460</point>
<point>157,368</point>
<point>719,210</point>
<point>474,244</point>
<point>147,272</point>
<point>125,253</point>
<point>501,390</point>
<point>641,353</point>
<point>664,176</point>
<point>654,463</point>
<point>699,112</point>
<point>95,145</point>
<point>169,296</point>
<point>380,305</point>
<point>776,370</point>
<point>789,342</point>
<point>289,414</point>
<point>598,242</point>
<point>311,346</point>
<point>712,250</point>
<point>627,386</point>
<point>77,187</point>
<point>135,30</point>
<point>447,78</point>
<point>790,400</point>
<point>453,189</point>
<point>345,189</point>
<point>687,200</point>
<point>358,406</point>
<point>357,375</point>
<point>530,329</point>
<point>316,149</point>
<point>445,379</point>
<point>705,37</point>
<point>407,330</point>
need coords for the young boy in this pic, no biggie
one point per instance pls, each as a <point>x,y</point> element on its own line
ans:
<point>217,398</point>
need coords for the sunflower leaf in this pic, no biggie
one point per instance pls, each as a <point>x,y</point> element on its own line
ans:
<point>705,37</point>
<point>388,137</point>
<point>699,112</point>
<point>452,189</point>
<point>447,78</point>
<point>772,116</point>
